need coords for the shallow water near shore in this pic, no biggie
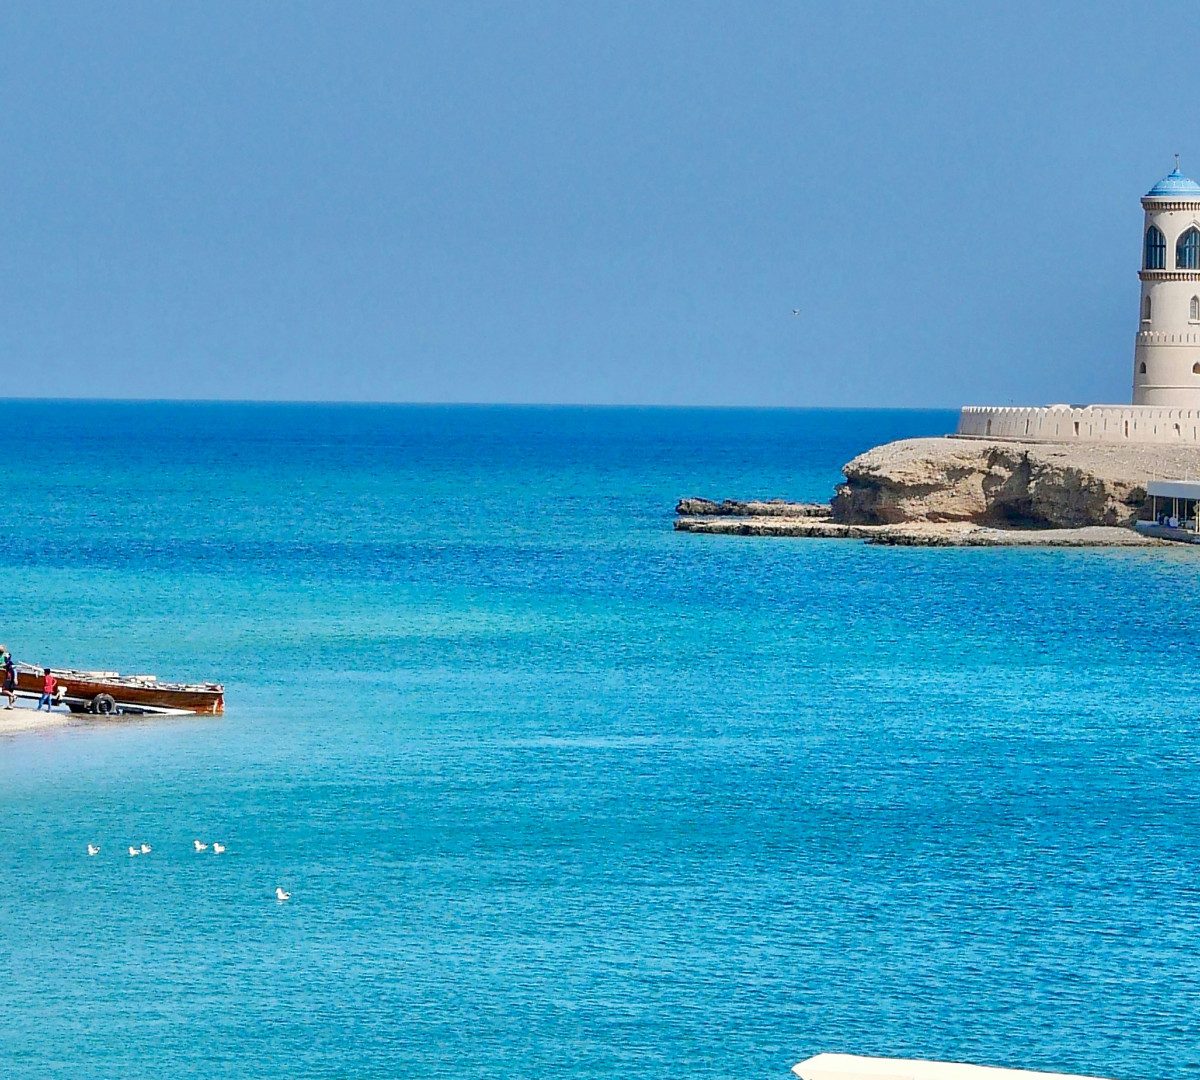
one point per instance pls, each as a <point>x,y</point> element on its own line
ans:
<point>560,792</point>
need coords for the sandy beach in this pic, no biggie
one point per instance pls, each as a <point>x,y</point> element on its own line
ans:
<point>21,719</point>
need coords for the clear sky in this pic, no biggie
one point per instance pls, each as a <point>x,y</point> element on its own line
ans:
<point>583,202</point>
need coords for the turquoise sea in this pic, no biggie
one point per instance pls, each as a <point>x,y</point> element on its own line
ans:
<point>559,792</point>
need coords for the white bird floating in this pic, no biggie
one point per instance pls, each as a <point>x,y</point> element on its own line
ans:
<point>93,849</point>
<point>133,851</point>
<point>199,846</point>
<point>218,849</point>
<point>281,895</point>
<point>145,849</point>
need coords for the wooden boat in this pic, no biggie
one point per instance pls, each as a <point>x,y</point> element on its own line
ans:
<point>108,692</point>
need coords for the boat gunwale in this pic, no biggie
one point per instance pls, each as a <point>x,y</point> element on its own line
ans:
<point>130,682</point>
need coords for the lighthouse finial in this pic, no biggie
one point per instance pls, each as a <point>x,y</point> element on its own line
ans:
<point>1177,163</point>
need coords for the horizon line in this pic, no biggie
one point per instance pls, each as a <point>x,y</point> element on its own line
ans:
<point>367,402</point>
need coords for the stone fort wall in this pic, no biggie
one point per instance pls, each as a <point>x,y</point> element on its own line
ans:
<point>1089,423</point>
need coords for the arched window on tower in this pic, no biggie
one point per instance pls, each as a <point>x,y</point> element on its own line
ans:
<point>1194,310</point>
<point>1145,309</point>
<point>1187,250</point>
<point>1156,249</point>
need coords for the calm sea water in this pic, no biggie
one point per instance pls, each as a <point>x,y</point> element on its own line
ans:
<point>559,792</point>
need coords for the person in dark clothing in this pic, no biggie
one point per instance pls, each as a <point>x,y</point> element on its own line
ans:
<point>10,678</point>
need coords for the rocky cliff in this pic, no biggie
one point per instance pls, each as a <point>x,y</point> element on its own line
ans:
<point>1005,483</point>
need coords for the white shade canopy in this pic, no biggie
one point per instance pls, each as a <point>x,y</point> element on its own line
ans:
<point>853,1067</point>
<point>1174,489</point>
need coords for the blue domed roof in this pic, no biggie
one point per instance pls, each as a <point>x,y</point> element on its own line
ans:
<point>1174,186</point>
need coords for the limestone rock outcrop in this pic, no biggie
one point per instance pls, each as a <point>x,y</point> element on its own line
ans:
<point>1051,485</point>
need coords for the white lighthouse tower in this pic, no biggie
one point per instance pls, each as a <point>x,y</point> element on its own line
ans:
<point>1166,357</point>
<point>1166,354</point>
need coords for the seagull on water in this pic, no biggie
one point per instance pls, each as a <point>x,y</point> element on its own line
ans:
<point>133,851</point>
<point>199,846</point>
<point>280,895</point>
<point>218,849</point>
<point>93,849</point>
<point>145,849</point>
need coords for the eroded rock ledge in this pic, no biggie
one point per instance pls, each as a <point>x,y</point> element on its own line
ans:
<point>969,492</point>
<point>921,533</point>
<point>753,508</point>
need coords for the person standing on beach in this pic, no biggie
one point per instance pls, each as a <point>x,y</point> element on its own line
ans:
<point>10,678</point>
<point>49,685</point>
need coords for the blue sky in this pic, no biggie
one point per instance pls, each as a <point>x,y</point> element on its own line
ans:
<point>565,202</point>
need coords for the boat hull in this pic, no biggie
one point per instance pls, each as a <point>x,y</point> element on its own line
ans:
<point>83,689</point>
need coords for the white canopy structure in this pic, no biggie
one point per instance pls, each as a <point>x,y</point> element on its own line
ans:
<point>1174,506</point>
<point>1174,489</point>
<point>853,1067</point>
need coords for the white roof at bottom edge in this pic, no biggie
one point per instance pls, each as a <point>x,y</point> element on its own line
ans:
<point>852,1067</point>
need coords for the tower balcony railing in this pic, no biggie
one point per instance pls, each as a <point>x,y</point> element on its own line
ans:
<point>1169,275</point>
<point>1157,205</point>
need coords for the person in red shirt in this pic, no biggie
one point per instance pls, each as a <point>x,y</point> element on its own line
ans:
<point>49,685</point>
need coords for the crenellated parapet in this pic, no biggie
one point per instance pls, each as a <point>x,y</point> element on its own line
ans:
<point>1082,423</point>
<point>1164,337</point>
